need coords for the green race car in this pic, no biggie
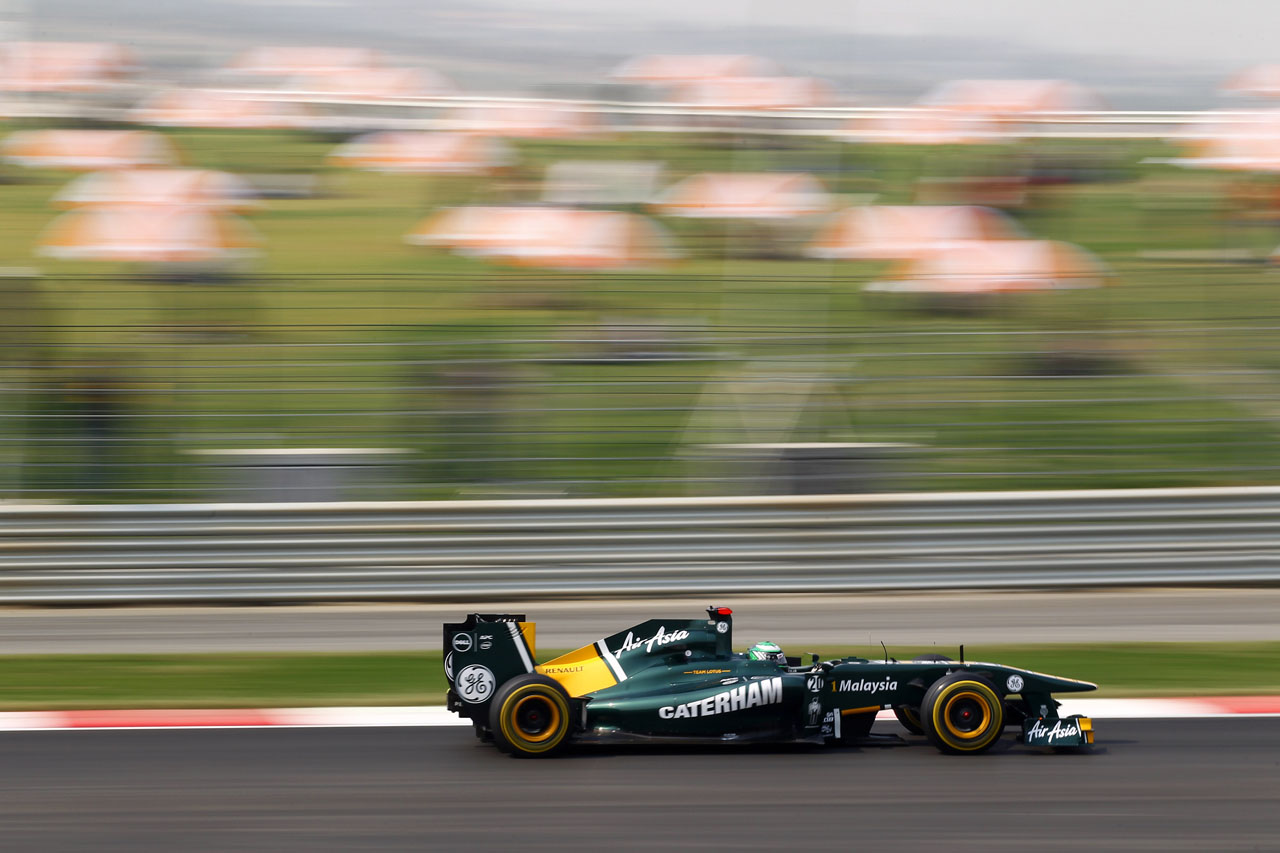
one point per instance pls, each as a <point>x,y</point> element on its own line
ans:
<point>669,680</point>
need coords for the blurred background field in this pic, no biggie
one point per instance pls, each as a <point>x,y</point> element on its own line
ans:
<point>469,378</point>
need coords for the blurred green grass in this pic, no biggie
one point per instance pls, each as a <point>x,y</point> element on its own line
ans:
<point>987,408</point>
<point>32,682</point>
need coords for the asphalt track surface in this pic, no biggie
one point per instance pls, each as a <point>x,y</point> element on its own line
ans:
<point>803,621</point>
<point>1149,785</point>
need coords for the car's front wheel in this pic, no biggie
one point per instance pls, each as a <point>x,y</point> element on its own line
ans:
<point>962,713</point>
<point>530,716</point>
<point>909,715</point>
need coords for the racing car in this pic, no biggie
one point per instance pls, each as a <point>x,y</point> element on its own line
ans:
<point>679,681</point>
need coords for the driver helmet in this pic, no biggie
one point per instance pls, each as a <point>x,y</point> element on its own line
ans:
<point>766,650</point>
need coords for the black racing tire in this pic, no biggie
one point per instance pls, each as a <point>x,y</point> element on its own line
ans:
<point>962,714</point>
<point>909,715</point>
<point>531,717</point>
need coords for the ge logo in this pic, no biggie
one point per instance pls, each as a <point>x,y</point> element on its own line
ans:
<point>815,683</point>
<point>722,627</point>
<point>474,683</point>
<point>448,665</point>
<point>462,642</point>
<point>1015,684</point>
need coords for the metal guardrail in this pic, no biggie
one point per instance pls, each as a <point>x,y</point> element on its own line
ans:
<point>479,550</point>
<point>346,113</point>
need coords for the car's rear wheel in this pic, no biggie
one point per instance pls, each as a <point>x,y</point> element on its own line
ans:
<point>962,713</point>
<point>530,716</point>
<point>909,717</point>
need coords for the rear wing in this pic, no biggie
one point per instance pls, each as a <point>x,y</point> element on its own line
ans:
<point>480,655</point>
<point>487,649</point>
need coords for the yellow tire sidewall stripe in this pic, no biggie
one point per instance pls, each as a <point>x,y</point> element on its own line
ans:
<point>518,740</point>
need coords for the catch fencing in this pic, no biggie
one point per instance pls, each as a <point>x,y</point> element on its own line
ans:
<point>518,384</point>
<point>337,113</point>
<point>514,550</point>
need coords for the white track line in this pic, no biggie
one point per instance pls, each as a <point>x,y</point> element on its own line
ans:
<point>420,716</point>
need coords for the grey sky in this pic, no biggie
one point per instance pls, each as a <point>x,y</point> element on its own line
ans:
<point>1192,30</point>
<point>1138,54</point>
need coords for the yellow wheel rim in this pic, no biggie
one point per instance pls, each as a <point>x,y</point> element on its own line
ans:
<point>955,703</point>
<point>529,706</point>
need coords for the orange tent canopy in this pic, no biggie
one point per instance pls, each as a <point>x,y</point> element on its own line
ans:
<point>923,127</point>
<point>190,188</point>
<point>1241,140</point>
<point>896,232</point>
<point>1012,97</point>
<point>1002,266</point>
<point>210,108</point>
<point>483,230</point>
<point>87,150</point>
<point>277,61</point>
<point>1238,154</point>
<point>423,152</point>
<point>560,238</point>
<point>148,235</point>
<point>745,195</point>
<point>676,68</point>
<point>1261,81</point>
<point>754,93</point>
<point>53,66</point>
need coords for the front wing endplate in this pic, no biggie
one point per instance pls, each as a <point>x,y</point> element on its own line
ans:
<point>1067,731</point>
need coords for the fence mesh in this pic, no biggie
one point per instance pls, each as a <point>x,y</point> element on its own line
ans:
<point>506,384</point>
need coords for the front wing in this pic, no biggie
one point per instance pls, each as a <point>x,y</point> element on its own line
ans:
<point>1075,730</point>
